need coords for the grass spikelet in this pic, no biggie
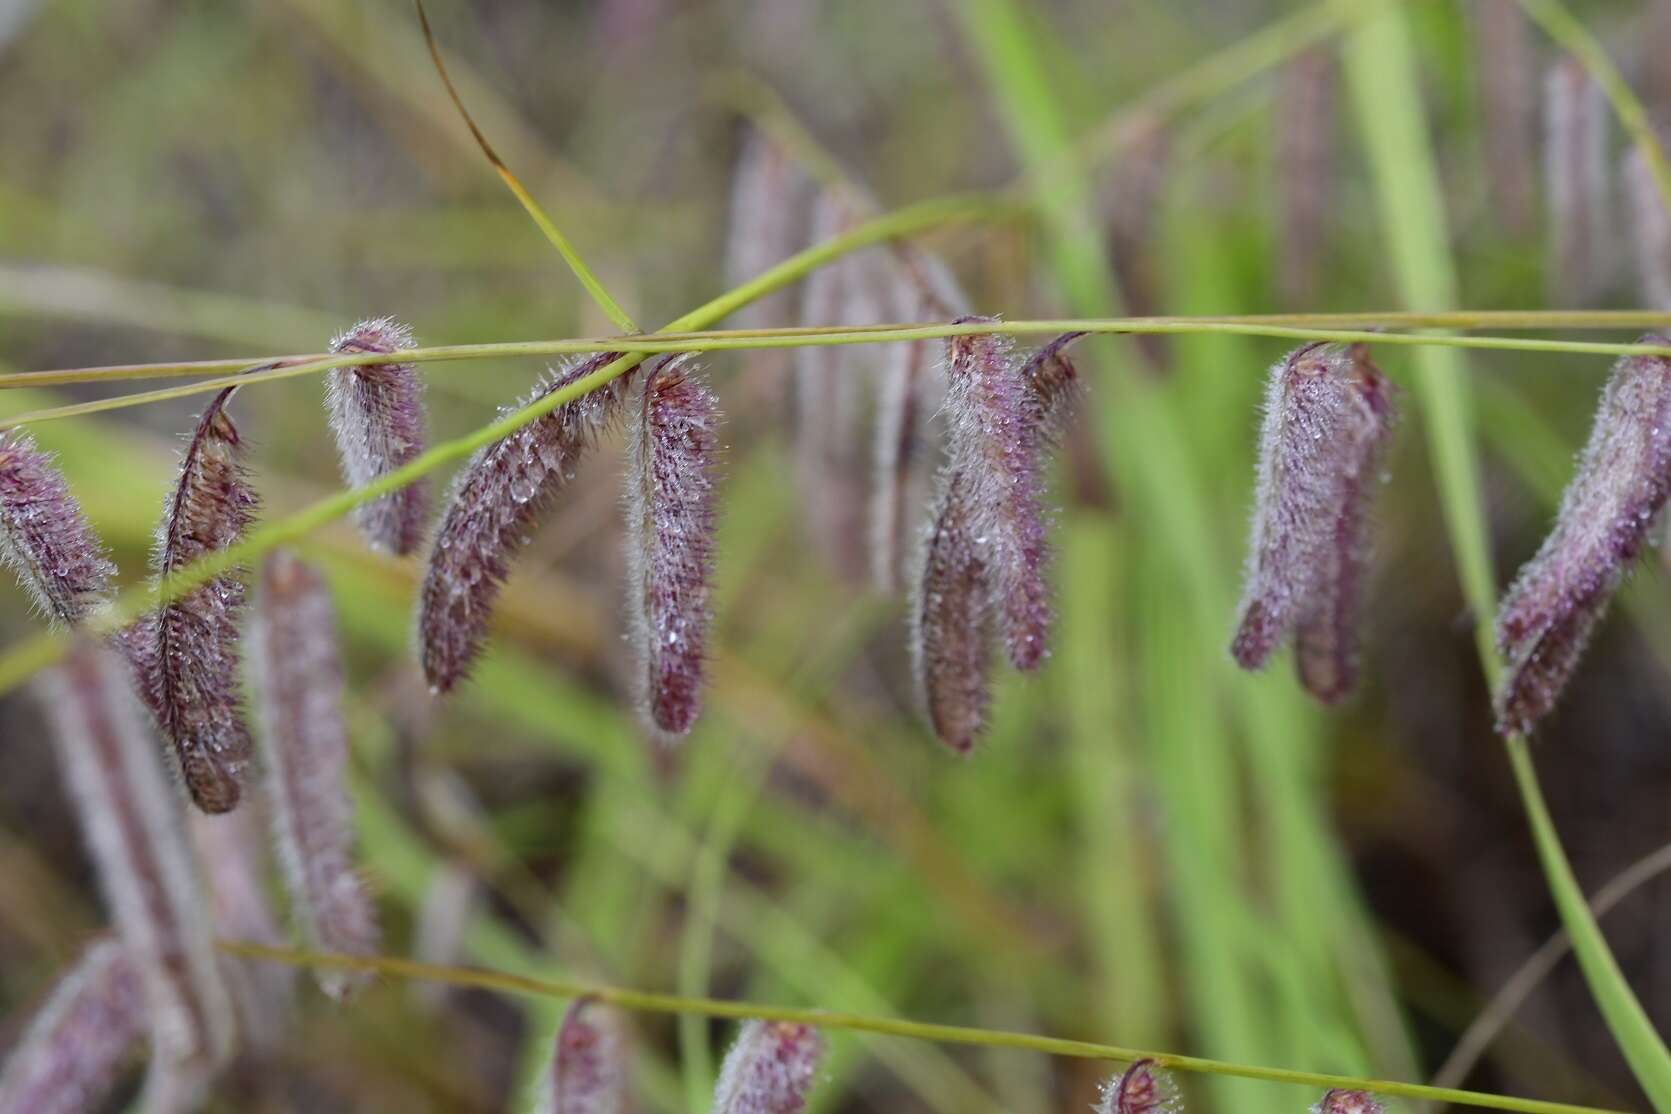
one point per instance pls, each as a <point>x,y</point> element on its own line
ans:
<point>495,502</point>
<point>1340,1101</point>
<point>1576,181</point>
<point>1651,231</point>
<point>132,821</point>
<point>78,1043</point>
<point>45,538</point>
<point>588,1073</point>
<point>1306,166</point>
<point>769,1069</point>
<point>377,414</point>
<point>1134,193</point>
<point>298,682</point>
<point>187,653</point>
<point>232,847</point>
<point>768,194</point>
<point>1606,513</point>
<point>1142,1088</point>
<point>670,537</point>
<point>1508,99</point>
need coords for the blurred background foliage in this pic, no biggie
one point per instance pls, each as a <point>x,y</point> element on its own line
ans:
<point>1148,849</point>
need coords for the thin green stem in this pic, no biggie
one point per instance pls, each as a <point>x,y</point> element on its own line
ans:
<point>651,1002</point>
<point>1565,28</point>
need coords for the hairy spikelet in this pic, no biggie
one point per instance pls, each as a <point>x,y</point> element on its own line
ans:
<point>132,821</point>
<point>1508,97</point>
<point>186,655</point>
<point>1576,181</point>
<point>1142,1088</point>
<point>297,676</point>
<point>996,439</point>
<point>1650,229</point>
<point>588,1073</point>
<point>1306,164</point>
<point>1339,1101</point>
<point>954,612</point>
<point>377,414</point>
<point>44,536</point>
<point>670,538</point>
<point>495,502</point>
<point>1620,488</point>
<point>232,847</point>
<point>76,1046</point>
<point>769,1070</point>
<point>1328,417</point>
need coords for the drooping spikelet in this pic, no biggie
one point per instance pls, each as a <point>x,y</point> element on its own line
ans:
<point>1651,231</point>
<point>954,611</point>
<point>232,846</point>
<point>377,414</point>
<point>186,655</point>
<point>132,822</point>
<point>769,1070</point>
<point>588,1072</point>
<point>1307,169</point>
<point>1340,1101</point>
<point>768,196</point>
<point>995,438</point>
<point>1621,485</point>
<point>494,504</point>
<point>298,682</point>
<point>1576,180</point>
<point>1328,417</point>
<point>670,537</point>
<point>45,538</point>
<point>1142,1088</point>
<point>75,1048</point>
<point>1508,97</point>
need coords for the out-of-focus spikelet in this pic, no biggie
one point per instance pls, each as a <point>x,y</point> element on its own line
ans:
<point>377,414</point>
<point>588,1072</point>
<point>768,213</point>
<point>44,536</point>
<point>298,683</point>
<point>1142,1088</point>
<point>233,847</point>
<point>1577,183</point>
<point>1306,167</point>
<point>493,506</point>
<point>1329,415</point>
<point>1136,186</point>
<point>1341,1101</point>
<point>1507,69</point>
<point>769,1069</point>
<point>1651,231</point>
<point>670,538</point>
<point>186,655</point>
<point>1619,490</point>
<point>75,1048</point>
<point>132,821</point>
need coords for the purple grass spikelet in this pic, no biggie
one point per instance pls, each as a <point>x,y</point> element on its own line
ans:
<point>78,1043</point>
<point>1650,229</point>
<point>298,681</point>
<point>377,414</point>
<point>45,539</point>
<point>1142,1088</point>
<point>1329,415</point>
<point>233,848</point>
<point>1576,179</point>
<point>588,1072</point>
<point>187,653</point>
<point>768,195</point>
<point>495,502</point>
<point>132,822</point>
<point>1507,66</point>
<point>1342,1101</point>
<point>769,1069</point>
<point>1604,521</point>
<point>1307,169</point>
<point>670,538</point>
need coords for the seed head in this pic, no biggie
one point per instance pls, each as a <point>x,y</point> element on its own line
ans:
<point>232,847</point>
<point>297,675</point>
<point>76,1046</point>
<point>186,655</point>
<point>1576,173</point>
<point>132,822</point>
<point>1341,1101</point>
<point>670,538</point>
<point>769,1070</point>
<point>1621,485</point>
<point>377,413</point>
<point>588,1073</point>
<point>1307,169</point>
<point>495,502</point>
<point>1328,417</point>
<point>1142,1088</point>
<point>45,538</point>
<point>767,214</point>
<point>1651,229</point>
